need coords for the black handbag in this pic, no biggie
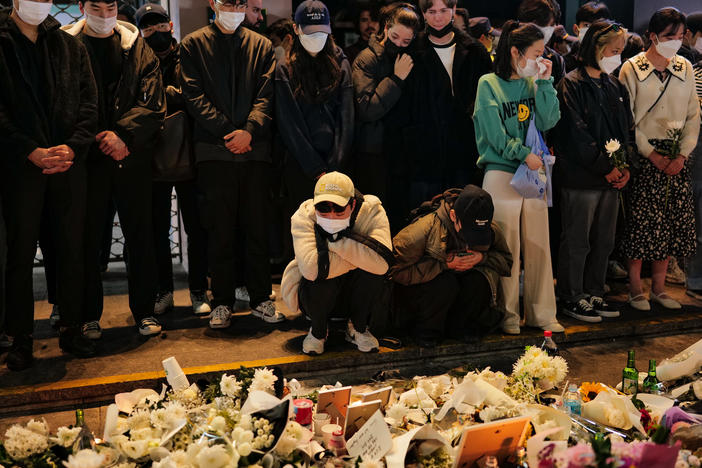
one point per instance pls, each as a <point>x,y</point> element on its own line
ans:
<point>174,158</point>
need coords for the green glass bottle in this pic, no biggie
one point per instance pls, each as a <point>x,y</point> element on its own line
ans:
<point>85,439</point>
<point>651,383</point>
<point>630,376</point>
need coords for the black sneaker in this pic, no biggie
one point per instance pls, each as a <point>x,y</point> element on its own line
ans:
<point>694,293</point>
<point>20,355</point>
<point>602,308</point>
<point>55,317</point>
<point>581,310</point>
<point>73,342</point>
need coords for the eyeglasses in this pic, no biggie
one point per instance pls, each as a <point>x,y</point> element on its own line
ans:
<point>229,6</point>
<point>328,207</point>
<point>161,27</point>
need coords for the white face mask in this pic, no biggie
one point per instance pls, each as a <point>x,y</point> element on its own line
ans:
<point>609,64</point>
<point>280,54</point>
<point>101,26</point>
<point>333,225</point>
<point>230,20</point>
<point>530,70</point>
<point>582,32</point>
<point>33,13</point>
<point>313,43</point>
<point>698,45</point>
<point>548,32</point>
<point>668,48</point>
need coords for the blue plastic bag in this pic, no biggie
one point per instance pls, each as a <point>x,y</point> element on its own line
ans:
<point>535,184</point>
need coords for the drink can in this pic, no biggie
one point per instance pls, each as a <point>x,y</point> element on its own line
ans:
<point>302,408</point>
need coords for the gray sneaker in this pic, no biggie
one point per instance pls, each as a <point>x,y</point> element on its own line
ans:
<point>365,342</point>
<point>201,305</point>
<point>267,312</point>
<point>221,317</point>
<point>92,330</point>
<point>149,326</point>
<point>164,303</point>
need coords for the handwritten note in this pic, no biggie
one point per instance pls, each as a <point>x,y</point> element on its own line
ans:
<point>372,441</point>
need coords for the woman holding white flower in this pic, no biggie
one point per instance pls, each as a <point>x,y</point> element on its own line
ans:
<point>592,140</point>
<point>661,221</point>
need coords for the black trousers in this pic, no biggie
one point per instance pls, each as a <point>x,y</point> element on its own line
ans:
<point>197,237</point>
<point>129,185</point>
<point>236,194</point>
<point>3,260</point>
<point>451,301</point>
<point>25,193</point>
<point>298,188</point>
<point>356,295</point>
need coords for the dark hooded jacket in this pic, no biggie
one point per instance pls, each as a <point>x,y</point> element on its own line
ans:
<point>227,82</point>
<point>376,91</point>
<point>70,113</point>
<point>319,135</point>
<point>137,109</point>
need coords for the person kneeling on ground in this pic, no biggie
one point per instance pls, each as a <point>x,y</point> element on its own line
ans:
<point>342,252</point>
<point>449,262</point>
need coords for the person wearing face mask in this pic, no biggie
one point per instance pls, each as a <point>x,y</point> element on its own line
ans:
<point>587,14</point>
<point>434,136</point>
<point>545,15</point>
<point>156,28</point>
<point>342,253</point>
<point>48,113</point>
<point>449,264</point>
<point>521,89</point>
<point>379,74</point>
<point>131,109</point>
<point>282,34</point>
<point>314,104</point>
<point>594,110</point>
<point>692,40</point>
<point>226,74</point>
<point>660,222</point>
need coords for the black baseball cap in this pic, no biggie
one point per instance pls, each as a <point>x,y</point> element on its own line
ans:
<point>151,10</point>
<point>474,209</point>
<point>313,16</point>
<point>480,25</point>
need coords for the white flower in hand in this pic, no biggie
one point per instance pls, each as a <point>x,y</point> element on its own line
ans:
<point>612,146</point>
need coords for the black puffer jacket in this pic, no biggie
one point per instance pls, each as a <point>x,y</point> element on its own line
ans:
<point>318,135</point>
<point>170,71</point>
<point>376,91</point>
<point>137,110</point>
<point>227,82</point>
<point>592,112</point>
<point>70,89</point>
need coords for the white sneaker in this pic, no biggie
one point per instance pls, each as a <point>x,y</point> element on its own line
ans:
<point>164,303</point>
<point>674,275</point>
<point>149,326</point>
<point>266,310</point>
<point>201,305</point>
<point>221,317</point>
<point>365,342</point>
<point>242,294</point>
<point>312,345</point>
<point>92,330</point>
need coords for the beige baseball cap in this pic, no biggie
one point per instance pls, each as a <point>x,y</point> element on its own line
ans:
<point>334,187</point>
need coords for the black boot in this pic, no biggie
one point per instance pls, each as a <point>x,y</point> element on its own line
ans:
<point>20,355</point>
<point>72,341</point>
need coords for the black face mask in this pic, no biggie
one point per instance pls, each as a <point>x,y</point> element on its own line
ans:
<point>159,41</point>
<point>393,50</point>
<point>439,33</point>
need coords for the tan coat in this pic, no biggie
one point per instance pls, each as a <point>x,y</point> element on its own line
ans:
<point>344,254</point>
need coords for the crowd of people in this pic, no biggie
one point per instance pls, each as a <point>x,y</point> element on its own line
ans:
<point>396,158</point>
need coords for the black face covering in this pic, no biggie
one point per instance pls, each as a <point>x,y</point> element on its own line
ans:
<point>159,41</point>
<point>439,33</point>
<point>392,50</point>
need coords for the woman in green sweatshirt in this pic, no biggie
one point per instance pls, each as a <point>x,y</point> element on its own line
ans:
<point>521,89</point>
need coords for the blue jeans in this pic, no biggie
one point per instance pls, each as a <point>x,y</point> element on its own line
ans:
<point>693,265</point>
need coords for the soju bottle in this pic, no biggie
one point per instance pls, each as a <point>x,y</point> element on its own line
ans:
<point>85,439</point>
<point>630,376</point>
<point>651,383</point>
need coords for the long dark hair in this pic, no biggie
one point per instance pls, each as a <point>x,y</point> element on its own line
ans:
<point>514,34</point>
<point>314,78</point>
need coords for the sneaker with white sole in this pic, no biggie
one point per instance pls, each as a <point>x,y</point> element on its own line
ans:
<point>164,302</point>
<point>201,305</point>
<point>674,275</point>
<point>92,330</point>
<point>242,294</point>
<point>554,327</point>
<point>220,317</point>
<point>581,310</point>
<point>55,317</point>
<point>149,326</point>
<point>312,345</point>
<point>267,312</point>
<point>365,342</point>
<point>602,308</point>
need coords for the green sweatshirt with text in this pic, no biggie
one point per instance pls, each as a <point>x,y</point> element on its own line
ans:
<point>503,109</point>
